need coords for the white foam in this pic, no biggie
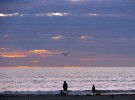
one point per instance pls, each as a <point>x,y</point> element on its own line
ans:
<point>72,92</point>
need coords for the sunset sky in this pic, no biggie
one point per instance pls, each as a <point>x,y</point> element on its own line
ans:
<point>97,33</point>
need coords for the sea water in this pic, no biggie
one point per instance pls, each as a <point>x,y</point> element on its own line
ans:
<point>107,80</point>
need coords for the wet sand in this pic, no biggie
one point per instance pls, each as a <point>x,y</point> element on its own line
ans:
<point>67,97</point>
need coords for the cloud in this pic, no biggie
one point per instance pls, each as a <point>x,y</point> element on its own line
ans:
<point>6,35</point>
<point>57,14</point>
<point>35,61</point>
<point>76,0</point>
<point>60,14</point>
<point>89,39</point>
<point>71,66</point>
<point>106,15</point>
<point>12,54</point>
<point>58,37</point>
<point>50,14</point>
<point>9,15</point>
<point>85,37</point>
<point>93,14</point>
<point>22,54</point>
<point>3,48</point>
<point>43,52</point>
<point>26,66</point>
<point>38,51</point>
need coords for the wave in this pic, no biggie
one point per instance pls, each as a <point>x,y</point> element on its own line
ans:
<point>72,92</point>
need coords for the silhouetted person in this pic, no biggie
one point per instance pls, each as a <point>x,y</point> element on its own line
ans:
<point>65,86</point>
<point>93,89</point>
<point>62,93</point>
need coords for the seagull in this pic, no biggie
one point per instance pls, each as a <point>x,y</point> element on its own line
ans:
<point>65,54</point>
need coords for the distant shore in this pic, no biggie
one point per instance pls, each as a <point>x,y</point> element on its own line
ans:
<point>66,97</point>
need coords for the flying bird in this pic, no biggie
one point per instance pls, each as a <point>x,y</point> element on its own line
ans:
<point>65,54</point>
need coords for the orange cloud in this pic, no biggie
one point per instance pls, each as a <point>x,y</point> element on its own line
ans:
<point>12,55</point>
<point>42,52</point>
<point>21,54</point>
<point>71,66</point>
<point>35,61</point>
<point>38,51</point>
<point>26,67</point>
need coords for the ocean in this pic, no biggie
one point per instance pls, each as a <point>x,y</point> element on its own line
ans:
<point>107,80</point>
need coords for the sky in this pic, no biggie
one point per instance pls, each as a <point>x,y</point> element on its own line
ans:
<point>97,33</point>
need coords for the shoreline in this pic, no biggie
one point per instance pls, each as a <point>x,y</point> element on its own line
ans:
<point>70,92</point>
<point>66,97</point>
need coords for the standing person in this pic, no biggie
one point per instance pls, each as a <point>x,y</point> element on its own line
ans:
<point>93,89</point>
<point>65,86</point>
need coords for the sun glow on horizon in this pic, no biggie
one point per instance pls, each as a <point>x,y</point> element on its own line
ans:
<point>35,61</point>
<point>40,66</point>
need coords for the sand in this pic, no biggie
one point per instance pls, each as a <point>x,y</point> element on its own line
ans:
<point>67,97</point>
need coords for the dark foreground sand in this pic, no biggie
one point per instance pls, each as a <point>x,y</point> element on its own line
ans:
<point>68,97</point>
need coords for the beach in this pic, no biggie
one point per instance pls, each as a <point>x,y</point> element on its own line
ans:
<point>46,83</point>
<point>67,97</point>
<point>67,50</point>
